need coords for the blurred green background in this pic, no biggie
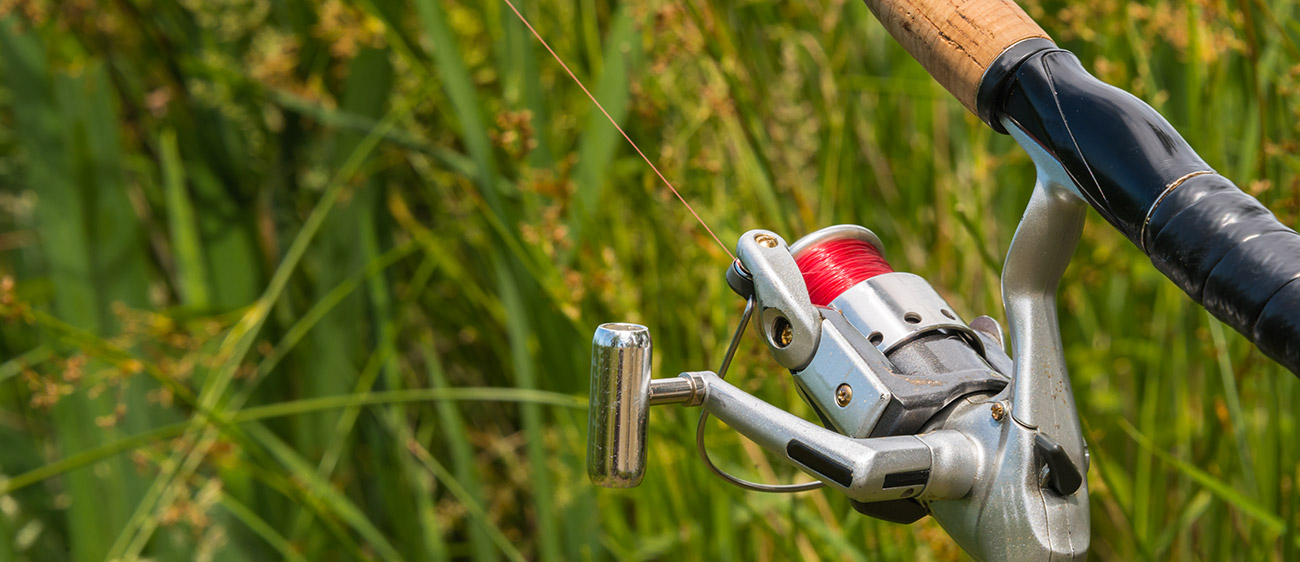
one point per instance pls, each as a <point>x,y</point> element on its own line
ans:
<point>317,280</point>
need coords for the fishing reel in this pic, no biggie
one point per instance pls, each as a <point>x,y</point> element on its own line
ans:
<point>921,412</point>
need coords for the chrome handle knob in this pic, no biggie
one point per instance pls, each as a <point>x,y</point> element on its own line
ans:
<point>619,405</point>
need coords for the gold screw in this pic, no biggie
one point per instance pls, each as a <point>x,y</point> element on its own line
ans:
<point>998,411</point>
<point>765,240</point>
<point>843,395</point>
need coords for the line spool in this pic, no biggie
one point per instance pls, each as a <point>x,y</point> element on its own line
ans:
<point>829,268</point>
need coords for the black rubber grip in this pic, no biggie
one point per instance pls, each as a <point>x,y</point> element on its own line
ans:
<point>1229,252</point>
<point>1218,244</point>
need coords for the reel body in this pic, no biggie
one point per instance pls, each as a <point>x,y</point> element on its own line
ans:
<point>921,412</point>
<point>926,413</point>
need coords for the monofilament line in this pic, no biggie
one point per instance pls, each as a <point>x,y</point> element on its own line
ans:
<point>620,129</point>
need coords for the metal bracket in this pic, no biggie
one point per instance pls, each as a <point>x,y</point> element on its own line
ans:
<point>1039,254</point>
<point>1030,500</point>
<point>937,465</point>
<point>787,318</point>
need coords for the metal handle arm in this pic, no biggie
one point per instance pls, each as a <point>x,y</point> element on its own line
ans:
<point>940,465</point>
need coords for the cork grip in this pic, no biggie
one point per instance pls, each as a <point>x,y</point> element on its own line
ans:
<point>956,40</point>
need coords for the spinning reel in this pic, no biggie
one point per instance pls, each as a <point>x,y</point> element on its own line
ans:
<point>923,413</point>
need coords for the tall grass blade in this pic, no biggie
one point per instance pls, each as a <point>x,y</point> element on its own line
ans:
<point>600,141</point>
<point>454,431</point>
<point>87,232</point>
<point>191,263</point>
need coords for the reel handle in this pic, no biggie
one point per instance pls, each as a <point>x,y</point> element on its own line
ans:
<point>619,405</point>
<point>621,395</point>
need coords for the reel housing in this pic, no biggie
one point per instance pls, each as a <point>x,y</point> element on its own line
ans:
<point>921,412</point>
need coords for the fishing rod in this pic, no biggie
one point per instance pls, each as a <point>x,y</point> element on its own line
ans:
<point>921,412</point>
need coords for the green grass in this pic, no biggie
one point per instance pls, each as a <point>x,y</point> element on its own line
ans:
<point>317,280</point>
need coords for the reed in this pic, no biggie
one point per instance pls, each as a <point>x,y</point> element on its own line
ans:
<point>269,261</point>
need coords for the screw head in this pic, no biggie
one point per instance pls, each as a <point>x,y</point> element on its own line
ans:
<point>998,411</point>
<point>843,395</point>
<point>765,240</point>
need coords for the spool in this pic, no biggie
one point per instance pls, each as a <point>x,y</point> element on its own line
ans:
<point>833,265</point>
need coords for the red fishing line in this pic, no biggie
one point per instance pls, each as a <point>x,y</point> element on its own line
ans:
<point>831,267</point>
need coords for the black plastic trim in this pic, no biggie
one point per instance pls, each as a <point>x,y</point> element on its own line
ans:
<point>740,281</point>
<point>905,511</point>
<point>1217,243</point>
<point>1231,254</point>
<point>818,462</point>
<point>1062,475</point>
<point>996,78</point>
<point>911,478</point>
<point>1120,152</point>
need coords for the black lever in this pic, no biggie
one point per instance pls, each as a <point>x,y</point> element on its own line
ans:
<point>1062,475</point>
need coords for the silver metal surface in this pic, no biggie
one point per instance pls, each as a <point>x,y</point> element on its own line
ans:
<point>894,308</point>
<point>978,471</point>
<point>1010,514</point>
<point>781,296</point>
<point>1039,254</point>
<point>839,362</point>
<point>949,457</point>
<point>837,232</point>
<point>898,393</point>
<point>676,390</point>
<point>620,389</point>
<point>988,326</point>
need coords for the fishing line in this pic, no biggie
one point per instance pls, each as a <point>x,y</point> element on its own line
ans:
<point>704,416</point>
<point>620,129</point>
<point>832,267</point>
